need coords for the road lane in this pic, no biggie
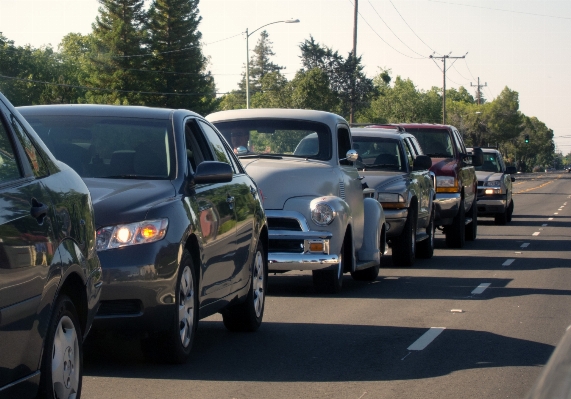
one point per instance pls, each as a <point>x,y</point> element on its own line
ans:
<point>355,345</point>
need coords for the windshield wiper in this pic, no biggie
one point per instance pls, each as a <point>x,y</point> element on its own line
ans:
<point>131,176</point>
<point>267,156</point>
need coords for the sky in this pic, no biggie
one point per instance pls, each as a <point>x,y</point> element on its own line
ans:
<point>521,44</point>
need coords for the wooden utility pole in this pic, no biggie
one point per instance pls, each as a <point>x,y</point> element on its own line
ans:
<point>478,92</point>
<point>355,15</point>
<point>444,58</point>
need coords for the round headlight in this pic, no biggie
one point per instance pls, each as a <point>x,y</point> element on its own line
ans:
<point>322,214</point>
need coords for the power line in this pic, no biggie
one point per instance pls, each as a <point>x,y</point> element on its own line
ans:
<point>463,77</point>
<point>444,69</point>
<point>407,46</point>
<point>499,9</point>
<point>479,86</point>
<point>434,51</point>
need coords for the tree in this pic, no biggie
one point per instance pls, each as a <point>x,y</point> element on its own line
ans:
<point>117,54</point>
<point>177,64</point>
<point>311,90</point>
<point>273,92</point>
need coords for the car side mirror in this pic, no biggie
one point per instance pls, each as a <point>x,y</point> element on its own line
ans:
<point>351,156</point>
<point>422,162</point>
<point>210,172</point>
<point>477,156</point>
<point>241,150</point>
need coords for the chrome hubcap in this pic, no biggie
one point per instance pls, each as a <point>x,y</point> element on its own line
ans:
<point>258,284</point>
<point>65,360</point>
<point>186,307</point>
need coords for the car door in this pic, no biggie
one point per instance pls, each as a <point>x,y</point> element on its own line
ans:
<point>243,193</point>
<point>467,172</point>
<point>27,246</point>
<point>416,183</point>
<point>214,206</point>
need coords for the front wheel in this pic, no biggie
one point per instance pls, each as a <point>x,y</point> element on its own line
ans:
<point>247,316</point>
<point>472,227</point>
<point>330,281</point>
<point>455,233</point>
<point>62,362</point>
<point>404,246</point>
<point>425,248</point>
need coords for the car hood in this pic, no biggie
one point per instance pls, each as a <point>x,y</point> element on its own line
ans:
<point>485,176</point>
<point>118,201</point>
<point>384,180</point>
<point>281,179</point>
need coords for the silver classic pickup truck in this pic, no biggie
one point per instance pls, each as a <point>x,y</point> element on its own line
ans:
<point>319,216</point>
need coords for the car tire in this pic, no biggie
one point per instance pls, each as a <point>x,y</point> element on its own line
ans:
<point>472,227</point>
<point>62,362</point>
<point>425,248</point>
<point>174,345</point>
<point>456,232</point>
<point>510,211</point>
<point>369,274</point>
<point>404,246</point>
<point>502,218</point>
<point>330,281</point>
<point>247,316</point>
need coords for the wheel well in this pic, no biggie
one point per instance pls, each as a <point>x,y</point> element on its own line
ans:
<point>383,242</point>
<point>194,250</point>
<point>264,238</point>
<point>74,288</point>
<point>348,251</point>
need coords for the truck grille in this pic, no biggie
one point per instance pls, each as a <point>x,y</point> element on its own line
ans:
<point>284,224</point>
<point>120,307</point>
<point>291,246</point>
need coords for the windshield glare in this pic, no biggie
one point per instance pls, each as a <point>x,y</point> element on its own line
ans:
<point>435,143</point>
<point>491,164</point>
<point>378,153</point>
<point>277,137</point>
<point>108,147</point>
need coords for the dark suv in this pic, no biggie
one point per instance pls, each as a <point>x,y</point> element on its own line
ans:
<point>456,184</point>
<point>50,275</point>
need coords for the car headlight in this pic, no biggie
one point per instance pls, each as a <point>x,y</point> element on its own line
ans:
<point>492,183</point>
<point>446,184</point>
<point>391,200</point>
<point>124,235</point>
<point>322,214</point>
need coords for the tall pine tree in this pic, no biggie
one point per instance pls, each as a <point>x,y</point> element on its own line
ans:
<point>178,66</point>
<point>117,54</point>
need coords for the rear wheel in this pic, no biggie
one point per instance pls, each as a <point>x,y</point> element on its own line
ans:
<point>404,246</point>
<point>330,281</point>
<point>247,316</point>
<point>425,248</point>
<point>62,363</point>
<point>455,233</point>
<point>472,227</point>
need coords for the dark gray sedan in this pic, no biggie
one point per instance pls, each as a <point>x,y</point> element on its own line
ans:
<point>392,162</point>
<point>181,232</point>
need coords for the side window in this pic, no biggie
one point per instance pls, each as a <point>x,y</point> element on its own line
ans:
<point>38,166</point>
<point>9,169</point>
<point>197,149</point>
<point>343,144</point>
<point>220,153</point>
<point>416,145</point>
<point>459,142</point>
<point>409,153</point>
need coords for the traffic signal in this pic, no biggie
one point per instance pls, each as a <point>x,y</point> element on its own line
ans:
<point>526,138</point>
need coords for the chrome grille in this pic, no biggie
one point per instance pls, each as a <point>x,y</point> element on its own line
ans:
<point>284,224</point>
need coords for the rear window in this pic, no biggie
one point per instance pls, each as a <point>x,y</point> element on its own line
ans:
<point>491,163</point>
<point>435,143</point>
<point>279,137</point>
<point>108,147</point>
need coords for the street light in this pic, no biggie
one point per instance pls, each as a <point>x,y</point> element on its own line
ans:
<point>289,21</point>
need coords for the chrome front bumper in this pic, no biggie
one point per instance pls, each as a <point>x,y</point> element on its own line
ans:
<point>447,206</point>
<point>395,220</point>
<point>305,259</point>
<point>492,205</point>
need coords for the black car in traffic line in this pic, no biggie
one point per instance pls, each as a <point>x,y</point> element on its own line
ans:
<point>181,231</point>
<point>50,275</point>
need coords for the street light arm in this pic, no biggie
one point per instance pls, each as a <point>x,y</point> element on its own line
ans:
<point>289,21</point>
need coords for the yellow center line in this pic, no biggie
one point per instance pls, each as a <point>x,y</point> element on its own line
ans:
<point>535,188</point>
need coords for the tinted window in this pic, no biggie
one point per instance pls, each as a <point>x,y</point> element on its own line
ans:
<point>9,169</point>
<point>409,153</point>
<point>435,143</point>
<point>278,137</point>
<point>215,142</point>
<point>108,147</point>
<point>491,163</point>
<point>38,166</point>
<point>378,153</point>
<point>343,144</point>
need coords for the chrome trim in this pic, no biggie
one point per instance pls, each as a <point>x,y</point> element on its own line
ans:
<point>13,384</point>
<point>290,215</point>
<point>287,261</point>
<point>306,244</point>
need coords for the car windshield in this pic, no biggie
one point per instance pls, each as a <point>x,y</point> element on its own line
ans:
<point>277,138</point>
<point>108,147</point>
<point>378,153</point>
<point>491,163</point>
<point>435,143</point>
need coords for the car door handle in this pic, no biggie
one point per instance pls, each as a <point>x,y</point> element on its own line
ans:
<point>39,210</point>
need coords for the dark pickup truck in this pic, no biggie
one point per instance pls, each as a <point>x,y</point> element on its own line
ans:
<point>456,184</point>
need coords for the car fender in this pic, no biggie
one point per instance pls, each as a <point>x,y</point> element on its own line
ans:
<point>372,247</point>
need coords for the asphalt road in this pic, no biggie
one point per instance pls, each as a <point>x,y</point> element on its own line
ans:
<point>473,323</point>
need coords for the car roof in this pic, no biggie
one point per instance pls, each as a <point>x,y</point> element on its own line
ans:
<point>277,113</point>
<point>100,110</point>
<point>378,132</point>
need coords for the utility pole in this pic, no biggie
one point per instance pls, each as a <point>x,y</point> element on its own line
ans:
<point>479,93</point>
<point>444,69</point>
<point>355,15</point>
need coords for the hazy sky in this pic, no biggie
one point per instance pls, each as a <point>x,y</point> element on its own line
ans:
<point>524,45</point>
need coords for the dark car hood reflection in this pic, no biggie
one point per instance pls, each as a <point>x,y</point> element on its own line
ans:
<point>127,199</point>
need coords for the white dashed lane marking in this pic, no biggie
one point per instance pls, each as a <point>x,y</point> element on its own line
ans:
<point>550,219</point>
<point>536,233</point>
<point>426,338</point>
<point>525,245</point>
<point>481,288</point>
<point>508,262</point>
